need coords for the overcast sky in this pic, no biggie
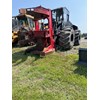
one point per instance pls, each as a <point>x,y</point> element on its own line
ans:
<point>77,9</point>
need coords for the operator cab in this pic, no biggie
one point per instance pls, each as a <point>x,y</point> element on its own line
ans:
<point>60,19</point>
<point>26,21</point>
<point>23,21</point>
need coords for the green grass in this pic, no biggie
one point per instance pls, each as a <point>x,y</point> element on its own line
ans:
<point>54,77</point>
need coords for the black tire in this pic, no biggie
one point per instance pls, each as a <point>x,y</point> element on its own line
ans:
<point>14,44</point>
<point>21,38</point>
<point>21,34</point>
<point>66,40</point>
<point>77,38</point>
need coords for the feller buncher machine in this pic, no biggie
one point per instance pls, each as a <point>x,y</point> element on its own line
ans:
<point>51,30</point>
<point>20,24</point>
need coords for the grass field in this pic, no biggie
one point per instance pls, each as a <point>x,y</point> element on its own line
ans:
<point>54,77</point>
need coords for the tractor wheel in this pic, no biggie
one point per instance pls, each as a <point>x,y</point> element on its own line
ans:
<point>77,38</point>
<point>21,34</point>
<point>66,40</point>
<point>21,38</point>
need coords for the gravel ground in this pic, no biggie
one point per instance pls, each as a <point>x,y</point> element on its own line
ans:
<point>74,50</point>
